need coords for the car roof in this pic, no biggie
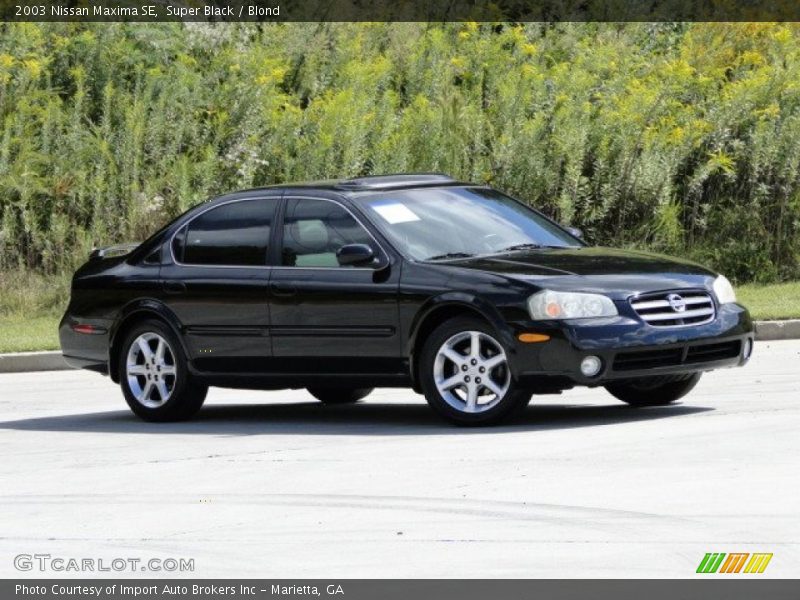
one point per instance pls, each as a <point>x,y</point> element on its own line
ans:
<point>396,181</point>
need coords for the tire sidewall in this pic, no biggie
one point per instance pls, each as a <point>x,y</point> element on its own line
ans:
<point>514,399</point>
<point>668,393</point>
<point>328,395</point>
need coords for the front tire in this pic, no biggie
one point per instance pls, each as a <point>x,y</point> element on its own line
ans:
<point>653,391</point>
<point>154,376</point>
<point>339,395</point>
<point>465,375</point>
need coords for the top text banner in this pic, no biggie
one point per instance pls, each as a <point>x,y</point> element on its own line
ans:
<point>399,10</point>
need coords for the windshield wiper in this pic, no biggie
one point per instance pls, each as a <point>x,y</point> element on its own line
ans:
<point>525,246</point>
<point>449,255</point>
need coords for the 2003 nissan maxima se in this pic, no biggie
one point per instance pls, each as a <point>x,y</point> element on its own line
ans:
<point>454,289</point>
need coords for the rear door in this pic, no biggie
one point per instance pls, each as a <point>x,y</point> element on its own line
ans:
<point>217,284</point>
<point>327,318</point>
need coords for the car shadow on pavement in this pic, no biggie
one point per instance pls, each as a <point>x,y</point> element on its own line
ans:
<point>368,418</point>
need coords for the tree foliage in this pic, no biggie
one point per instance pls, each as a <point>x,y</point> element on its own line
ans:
<point>681,138</point>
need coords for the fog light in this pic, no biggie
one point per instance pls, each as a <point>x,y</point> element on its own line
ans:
<point>748,348</point>
<point>591,365</point>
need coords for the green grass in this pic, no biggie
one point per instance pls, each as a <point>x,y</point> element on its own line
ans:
<point>23,333</point>
<point>770,302</point>
<point>30,308</point>
<point>31,305</point>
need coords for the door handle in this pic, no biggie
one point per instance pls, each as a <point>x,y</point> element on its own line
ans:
<point>283,289</point>
<point>174,287</point>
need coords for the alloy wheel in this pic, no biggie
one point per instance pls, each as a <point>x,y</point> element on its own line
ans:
<point>471,372</point>
<point>151,370</point>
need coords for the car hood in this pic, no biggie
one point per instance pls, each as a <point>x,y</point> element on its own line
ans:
<point>595,269</point>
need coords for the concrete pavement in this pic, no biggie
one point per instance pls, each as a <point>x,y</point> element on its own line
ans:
<point>273,484</point>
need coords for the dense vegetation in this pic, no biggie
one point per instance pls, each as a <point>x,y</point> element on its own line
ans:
<point>682,138</point>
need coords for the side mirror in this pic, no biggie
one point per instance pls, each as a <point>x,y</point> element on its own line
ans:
<point>574,231</point>
<point>354,254</point>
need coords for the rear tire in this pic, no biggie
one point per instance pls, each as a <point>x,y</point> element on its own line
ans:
<point>339,395</point>
<point>465,375</point>
<point>154,375</point>
<point>653,391</point>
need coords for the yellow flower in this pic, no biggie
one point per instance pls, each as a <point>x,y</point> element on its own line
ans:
<point>783,35</point>
<point>6,60</point>
<point>421,102</point>
<point>187,60</point>
<point>529,49</point>
<point>34,67</point>
<point>676,135</point>
<point>680,68</point>
<point>770,112</point>
<point>517,34</point>
<point>750,57</point>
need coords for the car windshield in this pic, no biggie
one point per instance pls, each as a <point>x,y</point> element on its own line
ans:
<point>452,223</point>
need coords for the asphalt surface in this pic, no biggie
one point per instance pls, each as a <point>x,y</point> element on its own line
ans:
<point>273,484</point>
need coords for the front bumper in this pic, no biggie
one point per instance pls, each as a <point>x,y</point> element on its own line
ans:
<point>629,348</point>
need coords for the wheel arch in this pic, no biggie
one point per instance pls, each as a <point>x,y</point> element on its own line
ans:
<point>132,314</point>
<point>443,308</point>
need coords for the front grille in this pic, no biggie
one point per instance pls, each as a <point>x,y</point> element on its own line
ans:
<point>674,309</point>
<point>695,354</point>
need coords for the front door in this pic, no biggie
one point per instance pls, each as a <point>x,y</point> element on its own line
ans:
<point>327,318</point>
<point>217,285</point>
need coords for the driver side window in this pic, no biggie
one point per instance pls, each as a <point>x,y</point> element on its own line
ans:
<point>313,230</point>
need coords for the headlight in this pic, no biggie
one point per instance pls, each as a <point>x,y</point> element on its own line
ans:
<point>548,304</point>
<point>723,290</point>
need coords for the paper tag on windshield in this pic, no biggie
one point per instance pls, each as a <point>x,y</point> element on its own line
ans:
<point>394,212</point>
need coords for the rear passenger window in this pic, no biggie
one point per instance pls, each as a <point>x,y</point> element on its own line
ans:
<point>234,234</point>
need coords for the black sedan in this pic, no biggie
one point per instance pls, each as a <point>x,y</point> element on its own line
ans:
<point>454,289</point>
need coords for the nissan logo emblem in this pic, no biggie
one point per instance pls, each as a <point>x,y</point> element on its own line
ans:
<point>677,303</point>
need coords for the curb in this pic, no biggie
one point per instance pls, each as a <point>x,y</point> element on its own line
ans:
<point>26,362</point>
<point>778,330</point>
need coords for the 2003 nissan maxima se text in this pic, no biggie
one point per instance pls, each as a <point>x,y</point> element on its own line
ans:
<point>453,289</point>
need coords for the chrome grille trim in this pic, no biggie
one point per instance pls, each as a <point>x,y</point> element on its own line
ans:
<point>657,311</point>
<point>664,304</point>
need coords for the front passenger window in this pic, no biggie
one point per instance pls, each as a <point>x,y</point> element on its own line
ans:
<point>313,230</point>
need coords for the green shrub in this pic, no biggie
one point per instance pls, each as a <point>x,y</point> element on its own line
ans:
<point>681,138</point>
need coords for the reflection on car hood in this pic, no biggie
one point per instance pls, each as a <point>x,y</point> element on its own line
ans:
<point>594,268</point>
